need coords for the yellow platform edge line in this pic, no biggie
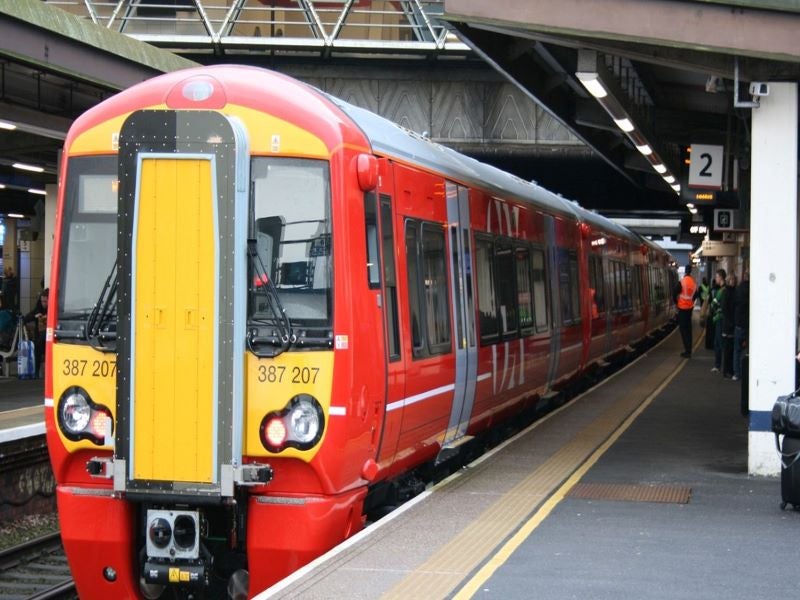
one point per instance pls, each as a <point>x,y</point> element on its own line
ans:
<point>502,555</point>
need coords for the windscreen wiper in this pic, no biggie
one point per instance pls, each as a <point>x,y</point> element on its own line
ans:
<point>280,319</point>
<point>103,310</point>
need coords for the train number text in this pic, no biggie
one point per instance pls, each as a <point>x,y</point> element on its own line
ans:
<point>94,368</point>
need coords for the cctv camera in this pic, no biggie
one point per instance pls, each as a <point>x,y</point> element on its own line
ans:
<point>758,89</point>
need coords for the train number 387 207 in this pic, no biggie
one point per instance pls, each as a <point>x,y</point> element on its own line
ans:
<point>274,374</point>
<point>94,368</point>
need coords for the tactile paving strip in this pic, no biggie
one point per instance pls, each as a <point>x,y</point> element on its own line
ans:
<point>673,494</point>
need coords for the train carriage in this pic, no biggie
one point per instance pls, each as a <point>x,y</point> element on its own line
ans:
<point>271,309</point>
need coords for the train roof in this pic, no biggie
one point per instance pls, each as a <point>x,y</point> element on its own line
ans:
<point>389,138</point>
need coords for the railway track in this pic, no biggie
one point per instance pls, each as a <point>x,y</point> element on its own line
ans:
<point>36,570</point>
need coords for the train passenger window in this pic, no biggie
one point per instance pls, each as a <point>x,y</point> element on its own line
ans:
<point>390,278</point>
<point>291,223</point>
<point>596,283</point>
<point>574,285</point>
<point>412,259</point>
<point>437,299</point>
<point>637,286</point>
<point>456,262</point>
<point>539,290</point>
<point>371,225</point>
<point>524,292</point>
<point>89,237</point>
<point>568,287</point>
<point>626,287</point>
<point>484,278</point>
<point>507,302</point>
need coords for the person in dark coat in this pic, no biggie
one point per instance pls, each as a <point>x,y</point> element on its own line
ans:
<point>710,326</point>
<point>38,316</point>
<point>741,323</point>
<point>716,318</point>
<point>728,315</point>
<point>10,290</point>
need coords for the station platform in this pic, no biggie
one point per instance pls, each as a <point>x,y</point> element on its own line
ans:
<point>21,408</point>
<point>636,489</point>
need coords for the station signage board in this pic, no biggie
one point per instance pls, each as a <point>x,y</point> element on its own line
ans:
<point>716,248</point>
<point>728,219</point>
<point>698,197</point>
<point>705,167</point>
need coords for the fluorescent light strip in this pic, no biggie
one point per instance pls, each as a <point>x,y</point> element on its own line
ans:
<point>7,126</point>
<point>2,186</point>
<point>645,149</point>
<point>676,187</point>
<point>38,192</point>
<point>592,84</point>
<point>624,124</point>
<point>26,167</point>
<point>669,179</point>
<point>661,169</point>
<point>15,216</point>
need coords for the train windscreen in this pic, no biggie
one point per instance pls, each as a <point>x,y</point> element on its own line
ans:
<point>291,224</point>
<point>89,237</point>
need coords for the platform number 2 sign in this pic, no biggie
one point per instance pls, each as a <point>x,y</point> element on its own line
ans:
<point>705,169</point>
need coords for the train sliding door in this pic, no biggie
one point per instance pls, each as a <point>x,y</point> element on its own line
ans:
<point>462,301</point>
<point>184,178</point>
<point>395,361</point>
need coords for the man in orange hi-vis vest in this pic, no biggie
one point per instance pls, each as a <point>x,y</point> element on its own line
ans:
<point>685,302</point>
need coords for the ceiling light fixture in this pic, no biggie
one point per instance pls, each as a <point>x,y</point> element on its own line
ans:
<point>15,216</point>
<point>591,81</point>
<point>7,126</point>
<point>27,167</point>
<point>624,124</point>
<point>593,75</point>
<point>38,192</point>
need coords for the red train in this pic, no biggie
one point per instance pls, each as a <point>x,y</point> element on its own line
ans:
<point>271,308</point>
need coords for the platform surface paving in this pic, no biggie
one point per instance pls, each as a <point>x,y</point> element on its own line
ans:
<point>507,528</point>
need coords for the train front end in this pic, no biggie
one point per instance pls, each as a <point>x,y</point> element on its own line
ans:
<point>190,370</point>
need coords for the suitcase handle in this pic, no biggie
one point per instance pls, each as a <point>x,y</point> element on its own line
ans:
<point>795,456</point>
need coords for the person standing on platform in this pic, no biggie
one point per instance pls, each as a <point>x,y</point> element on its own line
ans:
<point>684,292</point>
<point>10,290</point>
<point>709,314</point>
<point>728,315</point>
<point>38,316</point>
<point>741,322</point>
<point>702,292</point>
<point>716,318</point>
<point>8,324</point>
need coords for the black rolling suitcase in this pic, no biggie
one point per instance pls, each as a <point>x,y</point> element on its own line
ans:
<point>790,472</point>
<point>786,422</point>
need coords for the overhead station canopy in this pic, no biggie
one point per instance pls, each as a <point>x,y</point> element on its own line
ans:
<point>53,67</point>
<point>640,82</point>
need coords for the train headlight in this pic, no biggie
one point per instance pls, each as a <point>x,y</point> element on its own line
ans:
<point>304,421</point>
<point>299,425</point>
<point>75,413</point>
<point>81,419</point>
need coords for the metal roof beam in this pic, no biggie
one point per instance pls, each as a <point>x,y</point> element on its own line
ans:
<point>55,41</point>
<point>708,27</point>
